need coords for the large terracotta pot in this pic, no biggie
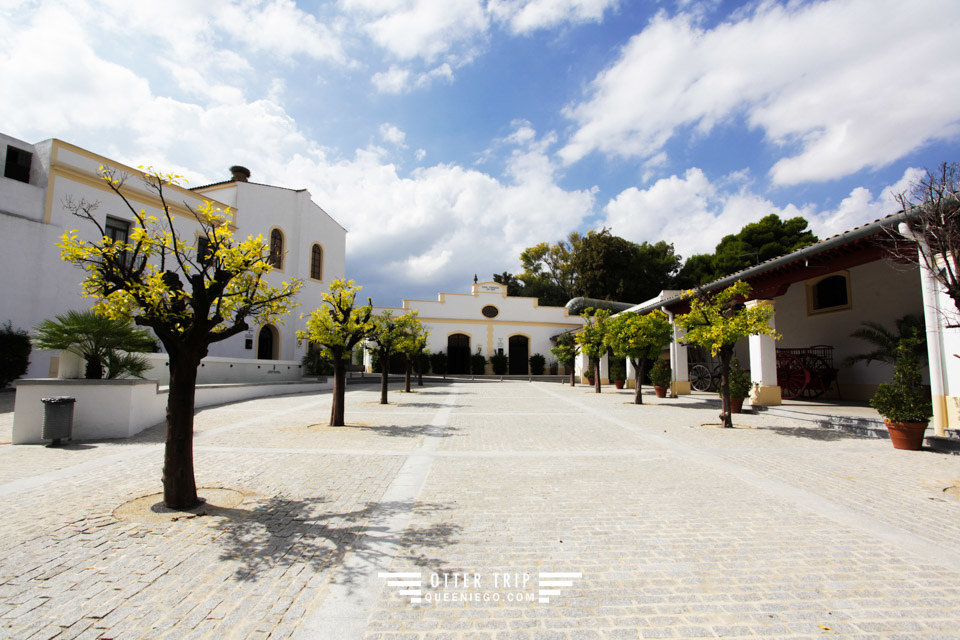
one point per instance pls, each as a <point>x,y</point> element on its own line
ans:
<point>618,383</point>
<point>660,391</point>
<point>736,405</point>
<point>906,435</point>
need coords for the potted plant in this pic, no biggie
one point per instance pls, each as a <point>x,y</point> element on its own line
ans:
<point>618,372</point>
<point>537,363</point>
<point>588,372</point>
<point>660,377</point>
<point>904,404</point>
<point>739,386</point>
<point>499,363</point>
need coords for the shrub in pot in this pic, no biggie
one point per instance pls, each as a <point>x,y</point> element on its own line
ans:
<point>904,403</point>
<point>618,372</point>
<point>660,377</point>
<point>739,386</point>
<point>478,364</point>
<point>438,363</point>
<point>537,364</point>
<point>499,363</point>
<point>588,372</point>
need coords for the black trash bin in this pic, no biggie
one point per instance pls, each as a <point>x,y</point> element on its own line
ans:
<point>57,419</point>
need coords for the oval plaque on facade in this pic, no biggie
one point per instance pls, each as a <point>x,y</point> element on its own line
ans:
<point>490,311</point>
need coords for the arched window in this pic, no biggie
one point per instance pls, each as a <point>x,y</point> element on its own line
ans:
<point>316,262</point>
<point>829,293</point>
<point>276,249</point>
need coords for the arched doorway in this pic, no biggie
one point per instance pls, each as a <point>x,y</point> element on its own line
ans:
<point>519,355</point>
<point>268,344</point>
<point>458,353</point>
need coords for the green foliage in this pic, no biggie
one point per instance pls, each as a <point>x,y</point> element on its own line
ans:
<point>720,319</point>
<point>14,353</point>
<point>316,364</point>
<point>438,363</point>
<point>660,373</point>
<point>499,363</point>
<point>339,324</point>
<point>638,337</point>
<point>548,273</point>
<point>590,370</point>
<point>905,400</point>
<point>566,349</point>
<point>885,341</point>
<point>478,364</point>
<point>761,241</point>
<point>98,340</point>
<point>401,335</point>
<point>739,380</point>
<point>537,364</point>
<point>515,286</point>
<point>618,369</point>
<point>592,338</point>
<point>699,269</point>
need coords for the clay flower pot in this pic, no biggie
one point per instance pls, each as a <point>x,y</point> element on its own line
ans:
<point>660,391</point>
<point>618,384</point>
<point>736,405</point>
<point>906,435</point>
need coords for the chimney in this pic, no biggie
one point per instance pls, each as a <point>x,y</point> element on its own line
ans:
<point>240,174</point>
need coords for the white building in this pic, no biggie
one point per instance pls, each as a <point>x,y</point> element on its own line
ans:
<point>36,284</point>
<point>486,319</point>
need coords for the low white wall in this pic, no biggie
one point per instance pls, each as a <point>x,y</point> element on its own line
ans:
<point>122,408</point>
<point>215,370</point>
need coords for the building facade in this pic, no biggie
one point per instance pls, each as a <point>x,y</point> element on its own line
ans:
<point>38,182</point>
<point>487,321</point>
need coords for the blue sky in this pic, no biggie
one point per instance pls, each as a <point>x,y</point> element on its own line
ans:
<point>447,135</point>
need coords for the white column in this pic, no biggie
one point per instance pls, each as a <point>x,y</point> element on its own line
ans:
<point>763,365</point>
<point>679,367</point>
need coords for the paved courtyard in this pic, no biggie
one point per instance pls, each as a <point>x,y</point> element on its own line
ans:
<point>663,525</point>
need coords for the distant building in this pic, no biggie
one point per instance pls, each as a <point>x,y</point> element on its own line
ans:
<point>36,284</point>
<point>488,321</point>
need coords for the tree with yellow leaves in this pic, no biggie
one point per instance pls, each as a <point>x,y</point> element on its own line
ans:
<point>638,338</point>
<point>337,327</point>
<point>592,339</point>
<point>191,297</point>
<point>720,319</point>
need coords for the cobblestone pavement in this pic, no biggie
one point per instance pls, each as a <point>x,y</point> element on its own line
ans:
<point>668,526</point>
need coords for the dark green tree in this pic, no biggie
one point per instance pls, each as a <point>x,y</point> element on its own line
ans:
<point>760,241</point>
<point>14,353</point>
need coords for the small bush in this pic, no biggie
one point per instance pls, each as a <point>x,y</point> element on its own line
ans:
<point>499,363</point>
<point>15,350</point>
<point>438,363</point>
<point>537,363</point>
<point>660,374</point>
<point>905,400</point>
<point>478,364</point>
<point>618,369</point>
<point>739,380</point>
<point>315,364</point>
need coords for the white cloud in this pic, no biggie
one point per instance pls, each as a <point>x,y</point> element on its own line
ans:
<point>421,154</point>
<point>525,16</point>
<point>694,214</point>
<point>394,80</point>
<point>392,134</point>
<point>424,29</point>
<point>841,85</point>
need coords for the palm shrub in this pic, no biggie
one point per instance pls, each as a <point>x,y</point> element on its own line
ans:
<point>885,342</point>
<point>98,340</point>
<point>15,350</point>
<point>537,364</point>
<point>499,363</point>
<point>904,400</point>
<point>478,364</point>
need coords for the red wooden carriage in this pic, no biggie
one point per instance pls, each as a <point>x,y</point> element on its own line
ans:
<point>805,372</point>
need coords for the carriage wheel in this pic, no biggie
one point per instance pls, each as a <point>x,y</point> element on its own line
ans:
<point>700,378</point>
<point>818,368</point>
<point>792,376</point>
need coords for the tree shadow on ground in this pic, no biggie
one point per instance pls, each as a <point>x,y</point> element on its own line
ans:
<point>815,433</point>
<point>280,532</point>
<point>408,431</point>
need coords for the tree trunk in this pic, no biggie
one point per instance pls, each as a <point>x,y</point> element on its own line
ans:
<point>596,375</point>
<point>573,374</point>
<point>420,371</point>
<point>726,354</point>
<point>407,371</point>
<point>384,376</point>
<point>179,484</point>
<point>339,391</point>
<point>638,367</point>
